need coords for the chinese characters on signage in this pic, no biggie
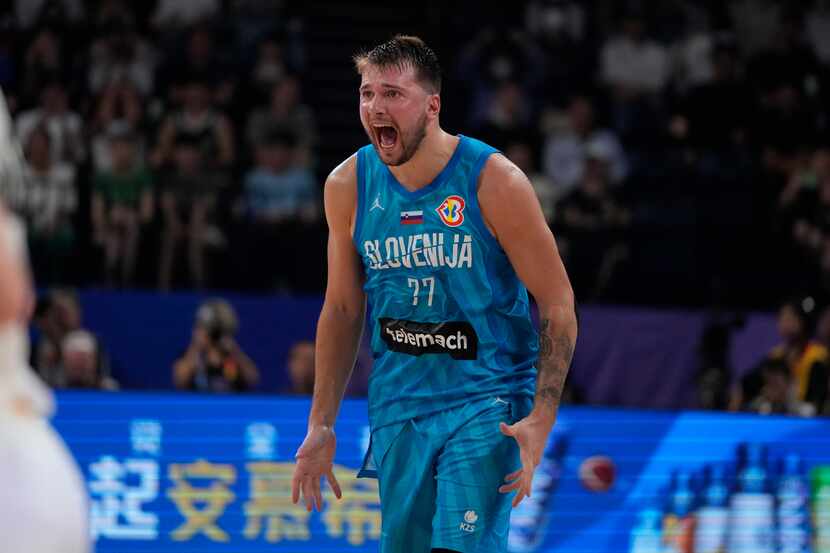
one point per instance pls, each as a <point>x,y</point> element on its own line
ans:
<point>221,502</point>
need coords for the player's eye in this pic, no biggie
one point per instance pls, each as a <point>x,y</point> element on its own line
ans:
<point>366,94</point>
<point>392,94</point>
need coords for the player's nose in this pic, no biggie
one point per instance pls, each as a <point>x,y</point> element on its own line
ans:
<point>377,106</point>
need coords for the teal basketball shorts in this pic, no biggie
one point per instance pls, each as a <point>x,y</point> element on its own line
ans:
<point>439,477</point>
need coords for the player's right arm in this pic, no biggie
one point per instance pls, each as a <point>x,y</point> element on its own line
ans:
<point>338,336</point>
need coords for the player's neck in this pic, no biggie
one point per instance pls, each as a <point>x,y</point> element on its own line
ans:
<point>429,160</point>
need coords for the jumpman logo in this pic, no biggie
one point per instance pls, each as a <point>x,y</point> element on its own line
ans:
<point>376,204</point>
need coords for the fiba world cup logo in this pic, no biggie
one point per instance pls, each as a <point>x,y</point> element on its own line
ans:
<point>451,211</point>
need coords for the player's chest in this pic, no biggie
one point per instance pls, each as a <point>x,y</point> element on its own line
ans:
<point>431,232</point>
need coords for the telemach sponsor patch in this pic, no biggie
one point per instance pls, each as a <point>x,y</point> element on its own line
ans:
<point>458,339</point>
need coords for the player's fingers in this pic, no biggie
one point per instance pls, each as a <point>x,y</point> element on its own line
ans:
<point>518,498</point>
<point>318,497</point>
<point>295,489</point>
<point>506,430</point>
<point>507,488</point>
<point>524,490</point>
<point>308,495</point>
<point>527,482</point>
<point>527,465</point>
<point>513,475</point>
<point>335,486</point>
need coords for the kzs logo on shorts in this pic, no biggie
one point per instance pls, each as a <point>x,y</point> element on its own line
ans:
<point>469,524</point>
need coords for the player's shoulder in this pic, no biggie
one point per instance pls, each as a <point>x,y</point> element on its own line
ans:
<point>500,177</point>
<point>342,181</point>
<point>344,175</point>
<point>340,191</point>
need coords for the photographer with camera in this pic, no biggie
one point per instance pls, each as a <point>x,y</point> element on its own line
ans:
<point>214,362</point>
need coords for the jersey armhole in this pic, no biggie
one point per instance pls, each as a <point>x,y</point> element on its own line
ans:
<point>475,214</point>
<point>360,160</point>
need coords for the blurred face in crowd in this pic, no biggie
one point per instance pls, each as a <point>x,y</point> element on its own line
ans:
<point>634,28</point>
<point>509,97</point>
<point>69,312</point>
<point>396,110</point>
<point>723,65</point>
<point>45,48</point>
<point>79,358</point>
<point>790,325</point>
<point>122,151</point>
<point>54,99</point>
<point>197,98</point>
<point>65,314</point>
<point>79,365</point>
<point>285,94</point>
<point>269,66</point>
<point>122,45</point>
<point>594,181</point>
<point>301,367</point>
<point>188,159</point>
<point>38,151</point>
<point>200,47</point>
<point>776,386</point>
<point>785,97</point>
<point>47,323</point>
<point>62,316</point>
<point>275,157</point>
<point>581,115</point>
<point>270,52</point>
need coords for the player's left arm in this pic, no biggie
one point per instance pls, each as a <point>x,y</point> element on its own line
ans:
<point>513,214</point>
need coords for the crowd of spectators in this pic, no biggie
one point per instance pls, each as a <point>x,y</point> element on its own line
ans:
<point>792,378</point>
<point>67,355</point>
<point>678,148</point>
<point>143,125</point>
<point>673,144</point>
<point>680,151</point>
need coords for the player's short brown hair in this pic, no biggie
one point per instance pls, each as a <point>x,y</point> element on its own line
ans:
<point>404,51</point>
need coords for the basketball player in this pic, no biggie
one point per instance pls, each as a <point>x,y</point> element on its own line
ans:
<point>43,508</point>
<point>441,233</point>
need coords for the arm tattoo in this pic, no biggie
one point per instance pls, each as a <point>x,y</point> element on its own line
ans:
<point>555,353</point>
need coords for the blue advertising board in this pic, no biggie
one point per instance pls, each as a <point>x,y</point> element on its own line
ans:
<point>189,473</point>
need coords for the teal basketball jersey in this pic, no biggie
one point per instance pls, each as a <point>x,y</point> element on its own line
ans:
<point>449,319</point>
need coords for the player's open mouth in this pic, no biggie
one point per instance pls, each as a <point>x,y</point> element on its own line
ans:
<point>386,135</point>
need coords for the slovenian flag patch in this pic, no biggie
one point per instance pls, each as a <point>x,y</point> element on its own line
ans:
<point>412,217</point>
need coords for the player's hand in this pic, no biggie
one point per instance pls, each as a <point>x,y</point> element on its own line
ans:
<point>532,435</point>
<point>314,460</point>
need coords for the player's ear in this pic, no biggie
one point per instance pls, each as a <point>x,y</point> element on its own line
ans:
<point>433,105</point>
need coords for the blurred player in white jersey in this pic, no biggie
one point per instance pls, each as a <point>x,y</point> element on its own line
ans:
<point>44,507</point>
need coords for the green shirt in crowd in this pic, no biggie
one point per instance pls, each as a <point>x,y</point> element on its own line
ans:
<point>123,189</point>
